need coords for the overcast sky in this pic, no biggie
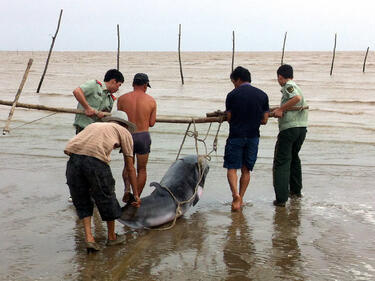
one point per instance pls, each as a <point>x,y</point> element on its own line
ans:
<point>207,25</point>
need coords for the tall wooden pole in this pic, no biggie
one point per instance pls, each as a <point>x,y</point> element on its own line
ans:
<point>49,54</point>
<point>233,39</point>
<point>6,128</point>
<point>118,47</point>
<point>364,62</point>
<point>282,55</point>
<point>334,53</point>
<point>179,54</point>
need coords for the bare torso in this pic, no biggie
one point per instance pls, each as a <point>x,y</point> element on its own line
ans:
<point>140,108</point>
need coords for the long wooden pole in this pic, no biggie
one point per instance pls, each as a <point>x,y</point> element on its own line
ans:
<point>118,47</point>
<point>6,128</point>
<point>222,113</point>
<point>77,111</point>
<point>179,54</point>
<point>334,54</point>
<point>364,62</point>
<point>233,45</point>
<point>282,54</point>
<point>216,116</point>
<point>49,54</point>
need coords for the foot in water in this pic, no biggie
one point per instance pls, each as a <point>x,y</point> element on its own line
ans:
<point>236,203</point>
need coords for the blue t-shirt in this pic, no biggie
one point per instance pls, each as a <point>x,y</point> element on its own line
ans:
<point>247,105</point>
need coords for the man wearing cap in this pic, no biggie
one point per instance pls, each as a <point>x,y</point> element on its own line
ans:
<point>95,97</point>
<point>89,175</point>
<point>141,109</point>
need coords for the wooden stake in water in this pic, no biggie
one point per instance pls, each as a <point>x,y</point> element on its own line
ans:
<point>334,53</point>
<point>282,54</point>
<point>118,47</point>
<point>179,54</point>
<point>49,54</point>
<point>364,62</point>
<point>6,128</point>
<point>233,39</point>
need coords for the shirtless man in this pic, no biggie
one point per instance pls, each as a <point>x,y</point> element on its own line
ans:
<point>141,110</point>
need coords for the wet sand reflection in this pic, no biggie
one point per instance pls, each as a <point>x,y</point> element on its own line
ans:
<point>146,254</point>
<point>239,249</point>
<point>286,253</point>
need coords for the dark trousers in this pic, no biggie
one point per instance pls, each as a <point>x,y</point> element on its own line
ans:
<point>287,171</point>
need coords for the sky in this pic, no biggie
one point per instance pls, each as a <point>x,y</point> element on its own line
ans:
<point>207,25</point>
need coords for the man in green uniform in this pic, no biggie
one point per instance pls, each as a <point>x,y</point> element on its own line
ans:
<point>287,171</point>
<point>95,98</point>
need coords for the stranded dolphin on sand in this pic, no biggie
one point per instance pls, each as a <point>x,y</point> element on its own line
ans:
<point>183,178</point>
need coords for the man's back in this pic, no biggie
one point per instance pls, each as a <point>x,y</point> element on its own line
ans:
<point>140,107</point>
<point>247,105</point>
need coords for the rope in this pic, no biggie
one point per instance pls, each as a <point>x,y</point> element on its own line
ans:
<point>200,171</point>
<point>34,120</point>
<point>179,203</point>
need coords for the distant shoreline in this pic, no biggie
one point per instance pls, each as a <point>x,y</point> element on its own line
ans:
<point>186,52</point>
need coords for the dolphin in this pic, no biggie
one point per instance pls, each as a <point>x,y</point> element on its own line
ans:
<point>184,179</point>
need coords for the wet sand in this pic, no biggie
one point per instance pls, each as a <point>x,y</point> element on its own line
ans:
<point>327,235</point>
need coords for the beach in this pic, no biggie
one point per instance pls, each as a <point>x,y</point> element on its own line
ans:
<point>326,235</point>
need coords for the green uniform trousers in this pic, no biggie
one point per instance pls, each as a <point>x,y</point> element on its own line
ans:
<point>287,171</point>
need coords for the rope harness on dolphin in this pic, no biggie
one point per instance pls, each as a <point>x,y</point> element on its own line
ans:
<point>200,170</point>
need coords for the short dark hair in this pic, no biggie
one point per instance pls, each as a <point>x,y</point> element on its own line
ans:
<point>114,74</point>
<point>285,71</point>
<point>241,73</point>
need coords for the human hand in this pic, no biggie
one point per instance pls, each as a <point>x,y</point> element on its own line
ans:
<point>100,114</point>
<point>127,197</point>
<point>90,111</point>
<point>278,113</point>
<point>137,202</point>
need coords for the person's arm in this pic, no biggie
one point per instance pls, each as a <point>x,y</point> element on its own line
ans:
<point>228,108</point>
<point>266,110</point>
<point>80,97</point>
<point>132,177</point>
<point>153,115</point>
<point>265,118</point>
<point>278,112</point>
<point>229,115</point>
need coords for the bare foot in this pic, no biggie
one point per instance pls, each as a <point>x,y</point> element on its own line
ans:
<point>236,203</point>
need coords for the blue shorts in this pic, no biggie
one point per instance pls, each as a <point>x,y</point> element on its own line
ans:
<point>142,142</point>
<point>241,152</point>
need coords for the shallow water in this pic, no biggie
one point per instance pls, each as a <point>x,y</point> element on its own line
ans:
<point>327,235</point>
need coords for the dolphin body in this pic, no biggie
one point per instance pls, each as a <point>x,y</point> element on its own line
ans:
<point>183,177</point>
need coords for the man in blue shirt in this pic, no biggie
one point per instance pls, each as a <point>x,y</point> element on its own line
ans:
<point>247,108</point>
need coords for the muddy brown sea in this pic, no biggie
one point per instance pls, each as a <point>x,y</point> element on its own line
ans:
<point>326,235</point>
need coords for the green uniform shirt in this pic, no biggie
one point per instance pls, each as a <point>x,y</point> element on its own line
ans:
<point>292,119</point>
<point>97,97</point>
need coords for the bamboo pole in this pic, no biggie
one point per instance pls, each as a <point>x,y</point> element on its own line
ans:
<point>13,104</point>
<point>118,47</point>
<point>282,54</point>
<point>222,113</point>
<point>163,119</point>
<point>334,53</point>
<point>233,39</point>
<point>49,53</point>
<point>179,54</point>
<point>364,62</point>
<point>48,108</point>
